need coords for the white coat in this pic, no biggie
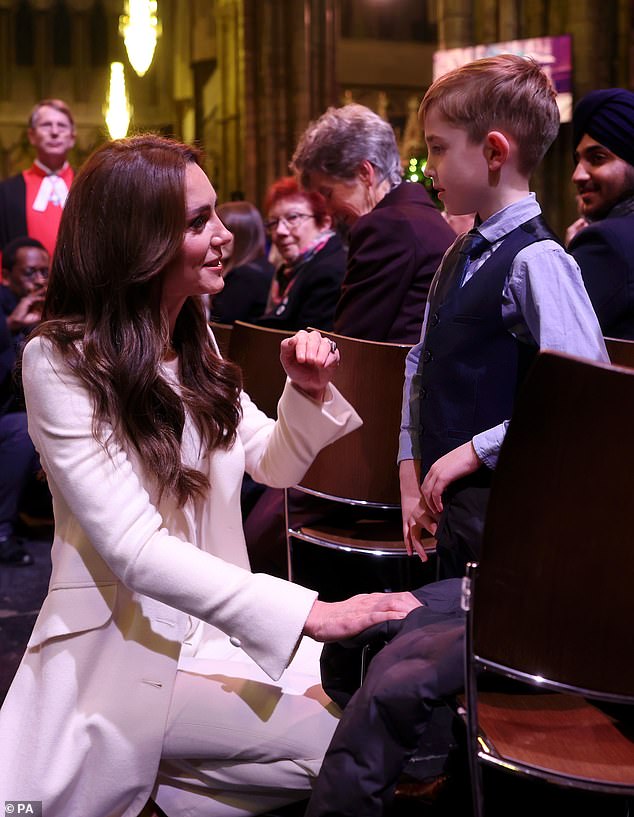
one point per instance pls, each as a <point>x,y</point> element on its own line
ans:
<point>82,726</point>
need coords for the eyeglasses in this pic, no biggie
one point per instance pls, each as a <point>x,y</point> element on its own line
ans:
<point>291,220</point>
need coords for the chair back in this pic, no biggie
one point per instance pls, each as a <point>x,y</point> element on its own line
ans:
<point>256,349</point>
<point>222,334</point>
<point>553,597</point>
<point>621,351</point>
<point>361,467</point>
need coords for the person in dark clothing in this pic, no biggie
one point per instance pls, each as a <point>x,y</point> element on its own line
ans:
<point>306,285</point>
<point>24,277</point>
<point>397,236</point>
<point>603,246</point>
<point>247,271</point>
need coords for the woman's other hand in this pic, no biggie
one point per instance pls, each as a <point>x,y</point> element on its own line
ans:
<point>335,621</point>
<point>310,361</point>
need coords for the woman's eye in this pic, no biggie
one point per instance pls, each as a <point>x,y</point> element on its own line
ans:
<point>198,223</point>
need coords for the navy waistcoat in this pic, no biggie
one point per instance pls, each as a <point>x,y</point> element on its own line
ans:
<point>471,365</point>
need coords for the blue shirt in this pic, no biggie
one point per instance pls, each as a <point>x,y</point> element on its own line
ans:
<point>544,303</point>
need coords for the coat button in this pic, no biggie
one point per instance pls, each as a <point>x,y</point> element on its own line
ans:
<point>235,641</point>
<point>423,393</point>
<point>434,319</point>
<point>427,356</point>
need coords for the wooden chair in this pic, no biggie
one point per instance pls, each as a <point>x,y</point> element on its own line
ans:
<point>551,606</point>
<point>360,469</point>
<point>621,352</point>
<point>222,333</point>
<point>256,349</point>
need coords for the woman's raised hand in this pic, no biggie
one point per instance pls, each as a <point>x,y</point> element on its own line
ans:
<point>310,361</point>
<point>335,621</point>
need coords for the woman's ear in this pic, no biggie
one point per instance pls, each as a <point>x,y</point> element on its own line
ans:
<point>496,149</point>
<point>366,173</point>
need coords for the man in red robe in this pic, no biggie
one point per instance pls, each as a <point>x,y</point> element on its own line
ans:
<point>31,203</point>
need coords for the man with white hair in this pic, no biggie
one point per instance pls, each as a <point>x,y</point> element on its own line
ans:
<point>31,202</point>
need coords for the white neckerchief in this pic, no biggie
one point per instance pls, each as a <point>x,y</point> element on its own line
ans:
<point>53,189</point>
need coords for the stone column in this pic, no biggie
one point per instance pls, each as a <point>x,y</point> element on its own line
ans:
<point>290,58</point>
<point>6,49</point>
<point>43,49</point>
<point>455,23</point>
<point>82,67</point>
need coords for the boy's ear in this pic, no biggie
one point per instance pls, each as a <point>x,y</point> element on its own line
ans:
<point>496,149</point>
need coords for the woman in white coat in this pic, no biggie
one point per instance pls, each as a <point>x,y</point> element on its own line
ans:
<point>159,664</point>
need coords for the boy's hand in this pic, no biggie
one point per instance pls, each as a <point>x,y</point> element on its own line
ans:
<point>456,464</point>
<point>421,518</point>
<point>413,514</point>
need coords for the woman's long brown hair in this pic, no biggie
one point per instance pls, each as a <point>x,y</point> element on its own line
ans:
<point>122,225</point>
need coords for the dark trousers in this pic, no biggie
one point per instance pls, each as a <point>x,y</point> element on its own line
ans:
<point>18,464</point>
<point>384,721</point>
<point>461,525</point>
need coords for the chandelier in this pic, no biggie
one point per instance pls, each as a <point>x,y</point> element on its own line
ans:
<point>118,111</point>
<point>140,28</point>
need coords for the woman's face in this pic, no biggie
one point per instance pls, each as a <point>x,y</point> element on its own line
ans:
<point>197,270</point>
<point>348,199</point>
<point>291,225</point>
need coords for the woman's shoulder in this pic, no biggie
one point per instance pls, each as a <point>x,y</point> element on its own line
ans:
<point>333,254</point>
<point>41,357</point>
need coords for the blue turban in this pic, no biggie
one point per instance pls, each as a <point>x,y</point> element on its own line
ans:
<point>608,117</point>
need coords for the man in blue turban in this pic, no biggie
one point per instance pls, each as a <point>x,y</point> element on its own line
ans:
<point>603,139</point>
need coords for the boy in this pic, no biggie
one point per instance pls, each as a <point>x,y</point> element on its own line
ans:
<point>487,125</point>
<point>503,291</point>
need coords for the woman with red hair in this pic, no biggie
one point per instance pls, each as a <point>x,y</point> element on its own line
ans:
<point>307,283</point>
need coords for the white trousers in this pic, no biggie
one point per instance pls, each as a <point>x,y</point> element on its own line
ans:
<point>237,743</point>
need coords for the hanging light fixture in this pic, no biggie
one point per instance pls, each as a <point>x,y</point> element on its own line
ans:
<point>117,111</point>
<point>140,28</point>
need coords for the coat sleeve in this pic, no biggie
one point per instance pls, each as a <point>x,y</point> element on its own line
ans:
<point>605,263</point>
<point>101,488</point>
<point>279,453</point>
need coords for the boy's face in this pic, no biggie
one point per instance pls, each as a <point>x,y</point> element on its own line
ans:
<point>456,165</point>
<point>602,178</point>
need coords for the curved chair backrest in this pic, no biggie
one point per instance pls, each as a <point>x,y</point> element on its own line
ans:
<point>222,334</point>
<point>361,467</point>
<point>256,349</point>
<point>621,351</point>
<point>553,595</point>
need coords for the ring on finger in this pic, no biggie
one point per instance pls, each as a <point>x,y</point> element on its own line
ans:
<point>333,346</point>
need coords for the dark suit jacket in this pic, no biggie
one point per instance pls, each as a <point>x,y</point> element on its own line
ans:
<point>394,252</point>
<point>314,293</point>
<point>245,293</point>
<point>605,254</point>
<point>12,209</point>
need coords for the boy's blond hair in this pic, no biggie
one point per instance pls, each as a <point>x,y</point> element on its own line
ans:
<point>507,93</point>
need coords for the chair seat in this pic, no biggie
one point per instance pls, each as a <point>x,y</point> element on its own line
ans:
<point>374,537</point>
<point>562,735</point>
